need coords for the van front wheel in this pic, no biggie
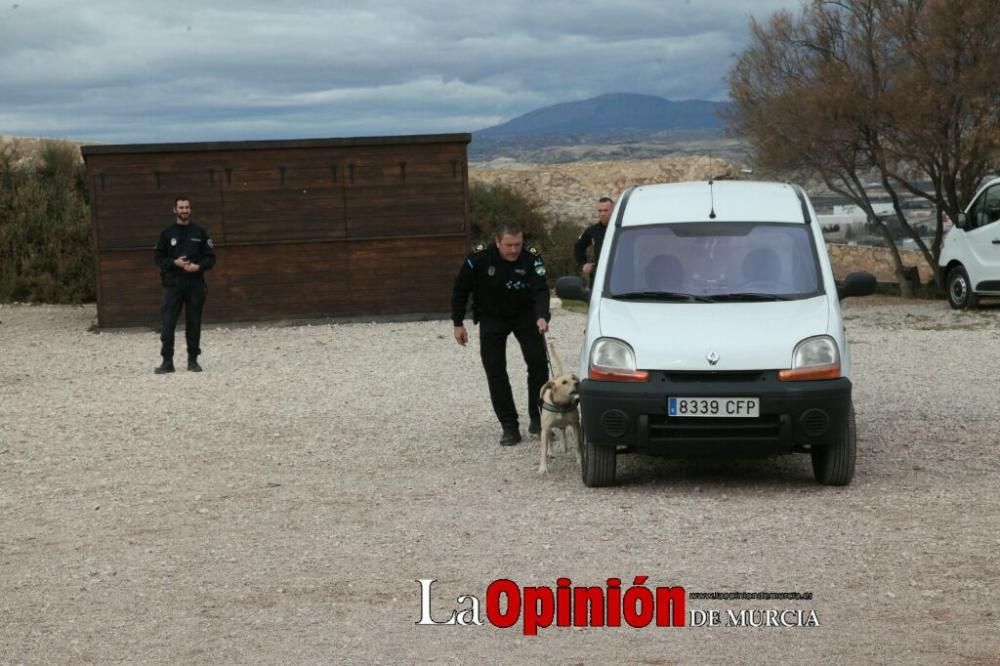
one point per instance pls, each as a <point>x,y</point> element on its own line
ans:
<point>597,463</point>
<point>833,465</point>
<point>960,289</point>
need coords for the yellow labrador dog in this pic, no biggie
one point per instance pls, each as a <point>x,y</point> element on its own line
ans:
<point>559,410</point>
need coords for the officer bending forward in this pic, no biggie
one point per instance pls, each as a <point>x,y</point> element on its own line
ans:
<point>509,295</point>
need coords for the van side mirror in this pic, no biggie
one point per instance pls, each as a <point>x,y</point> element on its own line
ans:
<point>861,283</point>
<point>962,221</point>
<point>570,287</point>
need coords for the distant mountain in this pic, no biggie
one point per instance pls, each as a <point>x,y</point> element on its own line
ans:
<point>613,119</point>
<point>618,112</point>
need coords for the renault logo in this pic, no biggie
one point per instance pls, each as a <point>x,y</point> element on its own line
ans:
<point>713,358</point>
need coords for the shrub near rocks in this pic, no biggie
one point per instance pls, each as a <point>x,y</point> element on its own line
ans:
<point>492,203</point>
<point>45,246</point>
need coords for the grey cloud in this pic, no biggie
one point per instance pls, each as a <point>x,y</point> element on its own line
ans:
<point>118,71</point>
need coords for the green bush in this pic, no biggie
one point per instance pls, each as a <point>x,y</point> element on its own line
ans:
<point>492,204</point>
<point>559,260</point>
<point>45,244</point>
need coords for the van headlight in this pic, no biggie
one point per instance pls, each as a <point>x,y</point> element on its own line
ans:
<point>613,360</point>
<point>813,358</point>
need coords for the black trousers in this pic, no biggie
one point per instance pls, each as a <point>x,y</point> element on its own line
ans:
<point>493,333</point>
<point>189,294</point>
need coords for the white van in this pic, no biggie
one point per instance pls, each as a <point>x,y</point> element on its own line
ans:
<point>714,328</point>
<point>970,255</point>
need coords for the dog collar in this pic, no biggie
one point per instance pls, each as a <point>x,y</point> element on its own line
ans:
<point>551,407</point>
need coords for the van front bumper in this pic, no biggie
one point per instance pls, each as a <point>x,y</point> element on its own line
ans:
<point>794,416</point>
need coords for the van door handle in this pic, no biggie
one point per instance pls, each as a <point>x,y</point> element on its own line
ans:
<point>996,241</point>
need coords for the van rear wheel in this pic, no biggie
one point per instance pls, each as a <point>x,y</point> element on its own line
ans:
<point>597,463</point>
<point>833,465</point>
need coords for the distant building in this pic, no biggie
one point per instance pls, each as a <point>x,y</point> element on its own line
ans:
<point>854,210</point>
<point>848,226</point>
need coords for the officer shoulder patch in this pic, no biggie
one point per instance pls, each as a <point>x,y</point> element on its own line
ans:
<point>533,250</point>
<point>479,247</point>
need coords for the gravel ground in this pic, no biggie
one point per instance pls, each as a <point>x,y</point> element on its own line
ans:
<point>280,506</point>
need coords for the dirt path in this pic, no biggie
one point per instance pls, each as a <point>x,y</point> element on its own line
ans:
<point>280,507</point>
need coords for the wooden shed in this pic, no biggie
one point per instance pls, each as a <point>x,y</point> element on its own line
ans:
<point>304,229</point>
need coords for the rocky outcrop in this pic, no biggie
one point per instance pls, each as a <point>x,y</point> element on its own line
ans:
<point>570,191</point>
<point>846,259</point>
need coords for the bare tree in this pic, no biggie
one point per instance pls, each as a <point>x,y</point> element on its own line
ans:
<point>851,88</point>
<point>944,106</point>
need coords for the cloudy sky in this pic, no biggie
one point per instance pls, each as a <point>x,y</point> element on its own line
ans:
<point>125,71</point>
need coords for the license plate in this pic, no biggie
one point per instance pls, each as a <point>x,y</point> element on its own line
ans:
<point>714,407</point>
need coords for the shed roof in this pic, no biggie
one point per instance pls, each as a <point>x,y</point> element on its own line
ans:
<point>408,139</point>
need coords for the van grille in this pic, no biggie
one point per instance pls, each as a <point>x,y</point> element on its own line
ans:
<point>763,429</point>
<point>714,377</point>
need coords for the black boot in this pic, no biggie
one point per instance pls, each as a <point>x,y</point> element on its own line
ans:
<point>165,367</point>
<point>193,364</point>
<point>511,435</point>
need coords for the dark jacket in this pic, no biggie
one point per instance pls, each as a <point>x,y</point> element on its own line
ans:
<point>500,288</point>
<point>183,240</point>
<point>592,234</point>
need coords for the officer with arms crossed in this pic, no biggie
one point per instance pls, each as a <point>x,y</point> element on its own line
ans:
<point>593,235</point>
<point>183,253</point>
<point>510,295</point>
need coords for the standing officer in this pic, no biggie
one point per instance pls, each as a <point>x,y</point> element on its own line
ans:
<point>509,295</point>
<point>183,253</point>
<point>593,235</point>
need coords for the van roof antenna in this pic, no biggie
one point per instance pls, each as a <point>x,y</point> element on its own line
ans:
<point>711,194</point>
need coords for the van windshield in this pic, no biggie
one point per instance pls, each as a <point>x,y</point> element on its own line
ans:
<point>714,261</point>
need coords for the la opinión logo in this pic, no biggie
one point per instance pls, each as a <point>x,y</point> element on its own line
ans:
<point>507,603</point>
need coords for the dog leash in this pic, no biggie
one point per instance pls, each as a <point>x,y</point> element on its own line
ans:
<point>548,360</point>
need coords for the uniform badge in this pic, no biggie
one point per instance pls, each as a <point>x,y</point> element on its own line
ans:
<point>479,247</point>
<point>491,271</point>
<point>173,241</point>
<point>519,271</point>
<point>533,250</point>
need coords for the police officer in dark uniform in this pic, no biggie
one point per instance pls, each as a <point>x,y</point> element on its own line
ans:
<point>593,235</point>
<point>183,253</point>
<point>510,295</point>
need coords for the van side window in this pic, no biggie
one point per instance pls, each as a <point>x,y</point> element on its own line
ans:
<point>992,208</point>
<point>986,209</point>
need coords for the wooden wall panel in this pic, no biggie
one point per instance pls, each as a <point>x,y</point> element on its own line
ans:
<point>412,225</point>
<point>311,228</point>
<point>283,215</point>
<point>136,219</point>
<point>130,288</point>
<point>405,275</point>
<point>400,169</point>
<point>405,210</point>
<point>279,281</point>
<point>131,208</point>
